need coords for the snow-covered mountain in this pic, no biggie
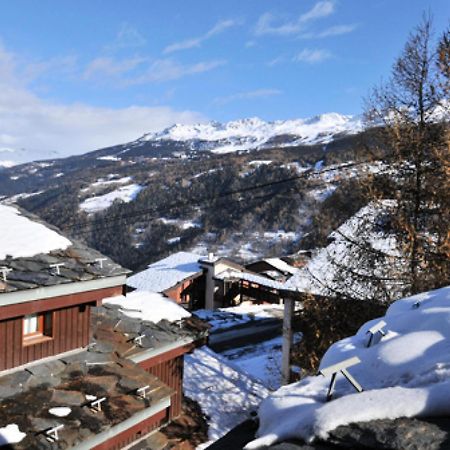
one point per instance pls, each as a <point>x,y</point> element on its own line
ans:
<point>254,133</point>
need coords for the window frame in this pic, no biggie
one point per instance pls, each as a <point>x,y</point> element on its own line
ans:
<point>45,327</point>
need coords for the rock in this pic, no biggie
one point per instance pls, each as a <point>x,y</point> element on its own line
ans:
<point>67,398</point>
<point>398,434</point>
<point>106,382</point>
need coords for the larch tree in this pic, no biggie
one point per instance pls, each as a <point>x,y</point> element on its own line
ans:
<point>411,114</point>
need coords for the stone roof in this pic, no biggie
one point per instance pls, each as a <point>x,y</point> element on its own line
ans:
<point>114,330</point>
<point>77,262</point>
<point>28,395</point>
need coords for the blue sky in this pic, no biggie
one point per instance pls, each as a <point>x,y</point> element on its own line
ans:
<point>87,73</point>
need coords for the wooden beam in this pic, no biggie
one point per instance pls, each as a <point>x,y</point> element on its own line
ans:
<point>287,340</point>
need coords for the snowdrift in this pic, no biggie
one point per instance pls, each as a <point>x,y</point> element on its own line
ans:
<point>406,373</point>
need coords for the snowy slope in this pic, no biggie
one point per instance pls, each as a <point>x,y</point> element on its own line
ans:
<point>405,374</point>
<point>99,203</point>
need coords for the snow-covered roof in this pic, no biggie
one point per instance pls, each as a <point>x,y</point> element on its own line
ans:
<point>34,254</point>
<point>148,306</point>
<point>338,267</point>
<point>252,278</point>
<point>281,265</point>
<point>22,237</point>
<point>405,374</point>
<point>167,272</point>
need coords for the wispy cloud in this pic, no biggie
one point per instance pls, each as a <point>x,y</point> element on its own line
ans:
<point>168,69</point>
<point>218,28</point>
<point>128,36</point>
<point>336,30</point>
<point>248,95</point>
<point>268,24</point>
<point>110,67</point>
<point>312,56</point>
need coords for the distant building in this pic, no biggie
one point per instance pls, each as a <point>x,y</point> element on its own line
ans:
<point>279,269</point>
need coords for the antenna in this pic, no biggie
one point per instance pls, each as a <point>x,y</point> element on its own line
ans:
<point>138,339</point>
<point>142,391</point>
<point>341,367</point>
<point>377,328</point>
<point>99,261</point>
<point>57,267</point>
<point>52,433</point>
<point>96,405</point>
<point>4,271</point>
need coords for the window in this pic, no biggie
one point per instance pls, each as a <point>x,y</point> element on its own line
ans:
<point>37,327</point>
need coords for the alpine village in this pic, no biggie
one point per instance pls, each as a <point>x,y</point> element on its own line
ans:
<point>246,284</point>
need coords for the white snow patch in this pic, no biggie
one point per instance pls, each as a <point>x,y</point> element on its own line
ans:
<point>224,393</point>
<point>405,374</point>
<point>148,306</point>
<point>125,194</point>
<point>21,237</point>
<point>108,158</point>
<point>60,411</point>
<point>11,435</point>
<point>246,312</point>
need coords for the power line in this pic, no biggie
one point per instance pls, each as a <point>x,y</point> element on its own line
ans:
<point>201,200</point>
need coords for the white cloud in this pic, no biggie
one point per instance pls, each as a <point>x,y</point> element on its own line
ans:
<point>35,128</point>
<point>266,23</point>
<point>312,56</point>
<point>336,30</point>
<point>218,28</point>
<point>248,95</point>
<point>167,69</point>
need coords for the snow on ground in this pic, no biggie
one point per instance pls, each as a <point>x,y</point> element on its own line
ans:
<point>226,395</point>
<point>99,203</point>
<point>22,195</point>
<point>262,361</point>
<point>246,312</point>
<point>60,411</point>
<point>148,306</point>
<point>11,435</point>
<point>109,158</point>
<point>261,162</point>
<point>102,182</point>
<point>182,224</point>
<point>405,374</point>
<point>167,272</point>
<point>21,237</point>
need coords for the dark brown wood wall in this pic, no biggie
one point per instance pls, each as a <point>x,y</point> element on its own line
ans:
<point>168,367</point>
<point>134,433</point>
<point>171,373</point>
<point>71,326</point>
<point>70,331</point>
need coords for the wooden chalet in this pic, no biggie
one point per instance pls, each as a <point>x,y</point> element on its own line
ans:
<point>119,376</point>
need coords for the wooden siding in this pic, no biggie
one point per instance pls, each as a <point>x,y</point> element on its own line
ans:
<point>63,301</point>
<point>190,293</point>
<point>171,373</point>
<point>168,367</point>
<point>70,331</point>
<point>134,433</point>
<point>71,326</point>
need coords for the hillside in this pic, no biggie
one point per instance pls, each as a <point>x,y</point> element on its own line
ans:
<point>206,187</point>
